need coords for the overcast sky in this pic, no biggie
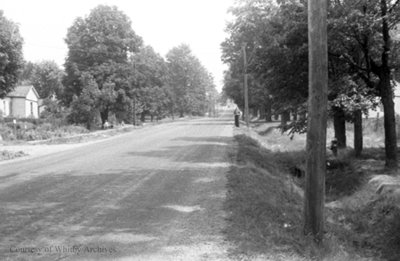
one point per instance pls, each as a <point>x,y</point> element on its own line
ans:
<point>163,24</point>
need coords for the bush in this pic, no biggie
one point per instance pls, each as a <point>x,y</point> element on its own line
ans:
<point>29,131</point>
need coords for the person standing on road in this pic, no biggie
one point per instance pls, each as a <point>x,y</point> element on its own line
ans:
<point>237,114</point>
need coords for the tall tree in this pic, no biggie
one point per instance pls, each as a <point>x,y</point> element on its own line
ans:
<point>148,79</point>
<point>275,38</point>
<point>188,80</point>
<point>364,43</point>
<point>11,58</point>
<point>100,44</point>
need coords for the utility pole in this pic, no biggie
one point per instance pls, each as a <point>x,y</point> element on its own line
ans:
<point>246,91</point>
<point>134,111</point>
<point>317,115</point>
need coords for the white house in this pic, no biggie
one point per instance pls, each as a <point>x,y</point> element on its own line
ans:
<point>21,103</point>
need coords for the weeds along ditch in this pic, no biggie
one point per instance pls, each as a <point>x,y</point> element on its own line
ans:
<point>265,215</point>
<point>265,203</point>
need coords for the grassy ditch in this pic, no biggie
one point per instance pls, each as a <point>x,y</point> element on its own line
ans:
<point>265,203</point>
<point>265,212</point>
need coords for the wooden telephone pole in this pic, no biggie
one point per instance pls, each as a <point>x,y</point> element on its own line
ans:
<point>246,88</point>
<point>317,115</point>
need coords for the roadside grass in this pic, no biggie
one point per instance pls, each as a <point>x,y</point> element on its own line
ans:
<point>265,200</point>
<point>263,221</point>
<point>368,223</point>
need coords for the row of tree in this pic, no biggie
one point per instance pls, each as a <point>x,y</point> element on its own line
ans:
<point>109,71</point>
<point>363,62</point>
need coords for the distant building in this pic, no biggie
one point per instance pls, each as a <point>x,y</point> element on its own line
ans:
<point>23,102</point>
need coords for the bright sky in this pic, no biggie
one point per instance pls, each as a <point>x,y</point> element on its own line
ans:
<point>163,24</point>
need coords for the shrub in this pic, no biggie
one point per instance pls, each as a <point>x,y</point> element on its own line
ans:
<point>29,132</point>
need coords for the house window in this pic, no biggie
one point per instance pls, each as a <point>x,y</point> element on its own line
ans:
<point>32,108</point>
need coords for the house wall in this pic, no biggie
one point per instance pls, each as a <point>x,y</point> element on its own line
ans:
<point>18,107</point>
<point>32,106</point>
<point>5,106</point>
<point>31,96</point>
<point>31,109</point>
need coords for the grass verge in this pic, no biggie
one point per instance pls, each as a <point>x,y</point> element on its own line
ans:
<point>265,202</point>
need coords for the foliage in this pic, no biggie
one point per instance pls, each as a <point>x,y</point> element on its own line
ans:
<point>11,58</point>
<point>45,76</point>
<point>275,38</point>
<point>39,130</point>
<point>83,106</point>
<point>54,112</point>
<point>148,81</point>
<point>189,81</point>
<point>99,45</point>
<point>362,42</point>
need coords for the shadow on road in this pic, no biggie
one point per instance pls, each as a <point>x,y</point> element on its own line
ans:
<point>200,150</point>
<point>128,213</point>
<point>226,140</point>
<point>208,121</point>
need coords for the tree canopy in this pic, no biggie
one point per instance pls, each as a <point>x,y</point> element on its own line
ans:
<point>11,58</point>
<point>45,76</point>
<point>189,81</point>
<point>100,45</point>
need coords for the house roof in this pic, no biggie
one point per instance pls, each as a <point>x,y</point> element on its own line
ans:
<point>22,91</point>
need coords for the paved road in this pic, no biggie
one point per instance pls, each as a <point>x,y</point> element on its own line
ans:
<point>152,194</point>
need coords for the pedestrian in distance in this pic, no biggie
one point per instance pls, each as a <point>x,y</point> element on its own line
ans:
<point>237,114</point>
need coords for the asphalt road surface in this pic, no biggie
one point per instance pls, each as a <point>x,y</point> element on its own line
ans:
<point>152,194</point>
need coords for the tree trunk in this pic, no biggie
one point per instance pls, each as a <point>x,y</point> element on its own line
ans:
<point>151,117</point>
<point>104,116</point>
<point>303,115</point>
<point>294,112</point>
<point>387,93</point>
<point>389,122</point>
<point>285,117</point>
<point>268,111</point>
<point>339,126</point>
<point>358,133</point>
<point>263,111</point>
<point>314,196</point>
<point>255,112</point>
<point>143,117</point>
